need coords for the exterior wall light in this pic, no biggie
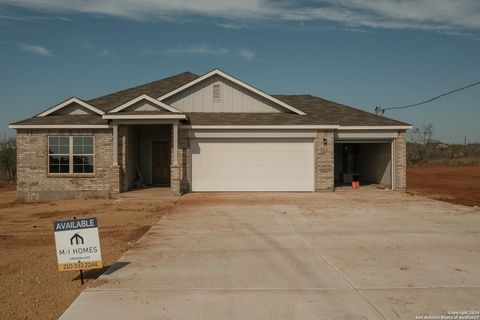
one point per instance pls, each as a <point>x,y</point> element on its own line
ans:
<point>324,141</point>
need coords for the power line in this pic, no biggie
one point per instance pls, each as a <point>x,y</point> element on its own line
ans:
<point>380,110</point>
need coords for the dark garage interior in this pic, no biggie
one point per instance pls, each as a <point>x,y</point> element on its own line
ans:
<point>369,161</point>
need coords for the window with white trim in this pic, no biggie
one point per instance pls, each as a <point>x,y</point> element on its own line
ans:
<point>70,155</point>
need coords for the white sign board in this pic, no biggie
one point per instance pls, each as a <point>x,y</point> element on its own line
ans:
<point>78,244</point>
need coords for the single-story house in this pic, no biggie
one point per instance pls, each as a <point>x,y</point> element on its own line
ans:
<point>196,133</point>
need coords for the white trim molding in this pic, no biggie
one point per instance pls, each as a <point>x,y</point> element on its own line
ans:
<point>69,102</point>
<point>244,127</point>
<point>305,133</point>
<point>58,126</point>
<point>149,99</point>
<point>375,127</point>
<point>143,116</point>
<point>236,81</point>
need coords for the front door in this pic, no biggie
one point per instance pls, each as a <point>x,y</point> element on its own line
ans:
<point>161,163</point>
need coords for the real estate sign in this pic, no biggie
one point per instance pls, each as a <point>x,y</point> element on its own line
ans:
<point>78,244</point>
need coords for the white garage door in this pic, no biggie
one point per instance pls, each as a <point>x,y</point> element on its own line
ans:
<point>223,164</point>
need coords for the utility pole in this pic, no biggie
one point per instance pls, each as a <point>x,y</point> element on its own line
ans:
<point>465,141</point>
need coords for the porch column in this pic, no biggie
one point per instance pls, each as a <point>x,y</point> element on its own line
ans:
<point>175,144</point>
<point>115,145</point>
<point>175,169</point>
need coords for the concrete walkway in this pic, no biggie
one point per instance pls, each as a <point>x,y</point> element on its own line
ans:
<point>352,255</point>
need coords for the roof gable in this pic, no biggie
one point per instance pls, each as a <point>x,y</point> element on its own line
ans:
<point>151,102</point>
<point>217,94</point>
<point>219,73</point>
<point>69,103</point>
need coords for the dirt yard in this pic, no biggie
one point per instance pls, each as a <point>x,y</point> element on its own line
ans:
<point>33,288</point>
<point>31,285</point>
<point>460,185</point>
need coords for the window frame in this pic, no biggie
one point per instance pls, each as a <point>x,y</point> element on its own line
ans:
<point>92,154</point>
<point>71,155</point>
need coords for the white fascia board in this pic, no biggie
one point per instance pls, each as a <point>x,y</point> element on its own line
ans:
<point>148,98</point>
<point>144,116</point>
<point>69,102</point>
<point>236,81</point>
<point>58,126</point>
<point>308,133</point>
<point>284,127</point>
<point>375,127</point>
<point>143,121</point>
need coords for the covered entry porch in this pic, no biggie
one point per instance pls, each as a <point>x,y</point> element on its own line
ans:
<point>147,154</point>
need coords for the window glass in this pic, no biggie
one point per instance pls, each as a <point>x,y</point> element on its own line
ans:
<point>83,164</point>
<point>58,159</point>
<point>79,160</point>
<point>82,154</point>
<point>82,145</point>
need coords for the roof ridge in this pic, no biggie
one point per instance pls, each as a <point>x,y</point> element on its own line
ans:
<point>143,84</point>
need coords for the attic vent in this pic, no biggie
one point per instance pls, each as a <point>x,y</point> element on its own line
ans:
<point>217,96</point>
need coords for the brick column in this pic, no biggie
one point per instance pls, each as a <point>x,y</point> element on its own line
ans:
<point>324,180</point>
<point>175,180</point>
<point>115,182</point>
<point>184,162</point>
<point>401,161</point>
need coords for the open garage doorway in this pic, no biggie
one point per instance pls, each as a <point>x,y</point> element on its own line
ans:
<point>368,161</point>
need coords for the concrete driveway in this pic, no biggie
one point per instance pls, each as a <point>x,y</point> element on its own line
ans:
<point>370,254</point>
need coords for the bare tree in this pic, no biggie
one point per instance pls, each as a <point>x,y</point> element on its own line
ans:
<point>8,160</point>
<point>420,144</point>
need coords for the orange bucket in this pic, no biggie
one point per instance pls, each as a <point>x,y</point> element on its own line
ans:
<point>355,184</point>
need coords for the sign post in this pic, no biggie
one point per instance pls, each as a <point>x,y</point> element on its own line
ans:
<point>78,245</point>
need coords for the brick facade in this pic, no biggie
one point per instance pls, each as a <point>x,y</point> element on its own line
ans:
<point>324,161</point>
<point>401,161</point>
<point>179,173</point>
<point>184,160</point>
<point>35,184</point>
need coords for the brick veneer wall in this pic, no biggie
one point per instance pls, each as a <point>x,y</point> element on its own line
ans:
<point>184,160</point>
<point>401,161</point>
<point>179,182</point>
<point>324,163</point>
<point>33,181</point>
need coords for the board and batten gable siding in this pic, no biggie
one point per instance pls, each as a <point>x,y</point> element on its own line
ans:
<point>234,98</point>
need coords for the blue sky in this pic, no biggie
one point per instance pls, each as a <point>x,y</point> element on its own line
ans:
<point>357,52</point>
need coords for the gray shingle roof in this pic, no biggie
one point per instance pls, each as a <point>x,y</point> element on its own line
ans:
<point>328,112</point>
<point>64,119</point>
<point>154,89</point>
<point>319,111</point>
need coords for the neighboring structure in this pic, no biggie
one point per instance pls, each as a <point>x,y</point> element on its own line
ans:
<point>204,133</point>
